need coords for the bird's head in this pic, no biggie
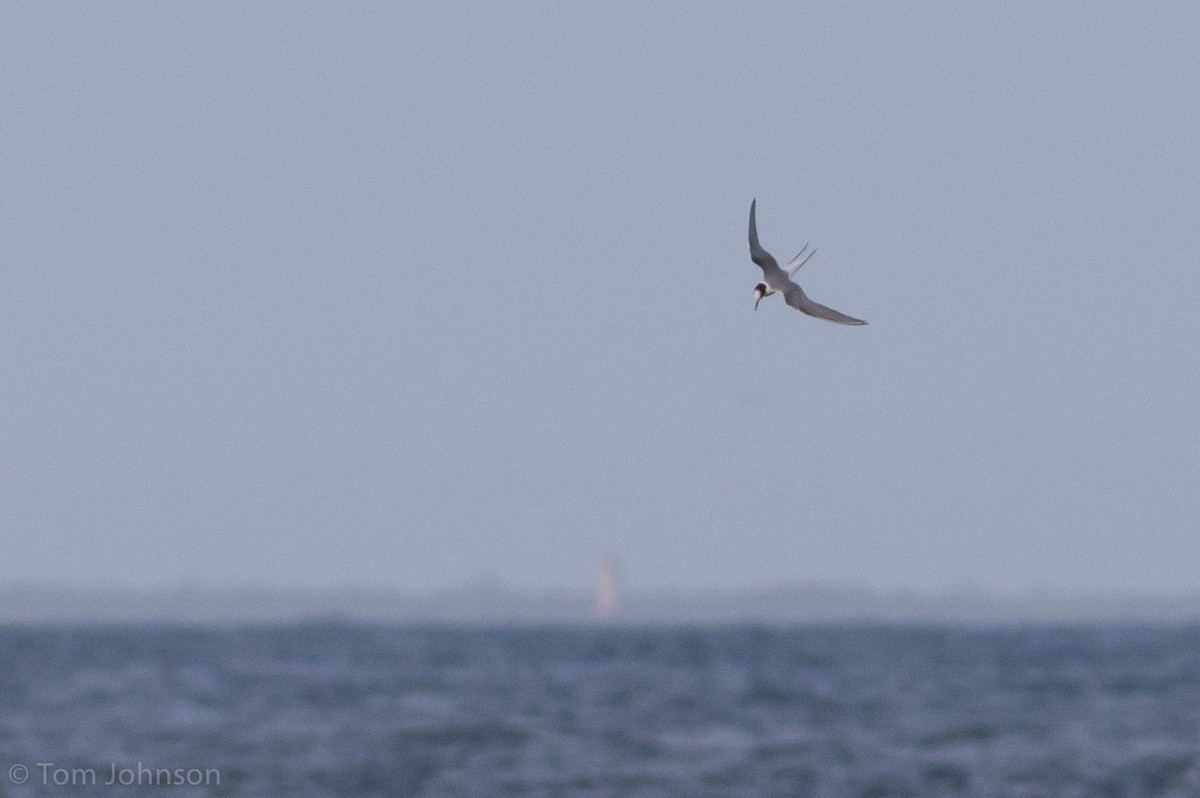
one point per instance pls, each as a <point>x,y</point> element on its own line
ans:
<point>760,291</point>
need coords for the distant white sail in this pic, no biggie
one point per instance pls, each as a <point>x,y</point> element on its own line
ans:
<point>605,605</point>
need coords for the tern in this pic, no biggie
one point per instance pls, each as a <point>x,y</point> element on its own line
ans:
<point>779,281</point>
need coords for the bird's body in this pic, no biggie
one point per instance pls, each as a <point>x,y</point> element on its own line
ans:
<point>779,281</point>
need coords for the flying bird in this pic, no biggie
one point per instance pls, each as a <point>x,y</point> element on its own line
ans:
<point>777,280</point>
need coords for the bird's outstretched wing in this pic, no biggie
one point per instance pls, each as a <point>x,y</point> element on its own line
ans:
<point>757,253</point>
<point>796,297</point>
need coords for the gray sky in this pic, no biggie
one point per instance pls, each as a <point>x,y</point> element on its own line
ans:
<point>412,295</point>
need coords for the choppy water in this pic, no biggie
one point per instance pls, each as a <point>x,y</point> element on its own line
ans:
<point>345,710</point>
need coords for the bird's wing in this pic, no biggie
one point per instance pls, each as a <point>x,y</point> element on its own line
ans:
<point>796,297</point>
<point>757,253</point>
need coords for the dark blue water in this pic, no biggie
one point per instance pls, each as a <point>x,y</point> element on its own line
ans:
<point>345,710</point>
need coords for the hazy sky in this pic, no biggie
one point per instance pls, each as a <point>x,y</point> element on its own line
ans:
<point>414,295</point>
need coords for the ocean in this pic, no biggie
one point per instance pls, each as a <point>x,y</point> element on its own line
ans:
<point>835,711</point>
